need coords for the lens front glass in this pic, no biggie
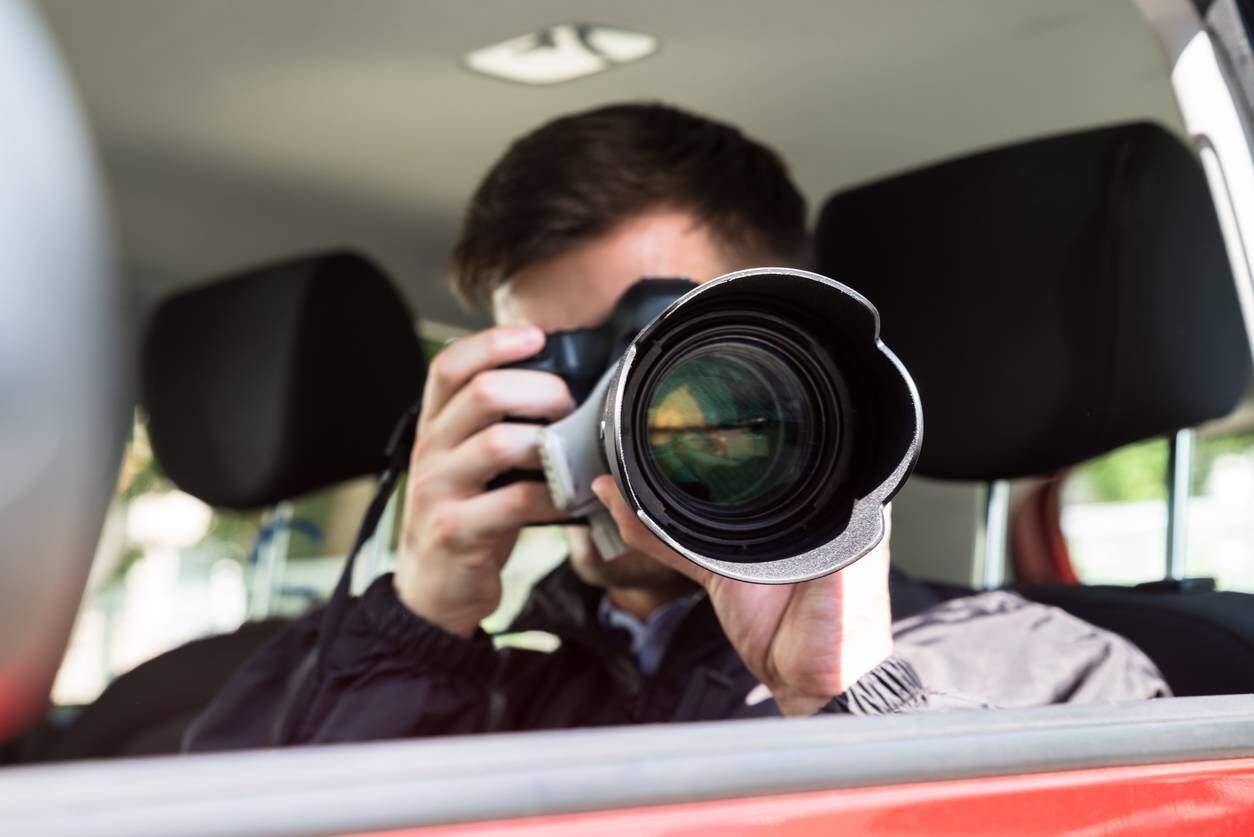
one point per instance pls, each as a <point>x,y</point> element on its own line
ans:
<point>731,427</point>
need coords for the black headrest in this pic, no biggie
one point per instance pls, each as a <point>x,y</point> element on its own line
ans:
<point>1053,299</point>
<point>271,383</point>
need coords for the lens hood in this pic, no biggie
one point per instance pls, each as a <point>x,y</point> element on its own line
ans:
<point>759,425</point>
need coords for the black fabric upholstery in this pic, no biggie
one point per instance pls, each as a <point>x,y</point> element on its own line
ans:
<point>145,711</point>
<point>1053,300</point>
<point>275,382</point>
<point>1202,642</point>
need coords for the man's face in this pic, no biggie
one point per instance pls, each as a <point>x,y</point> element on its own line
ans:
<point>578,289</point>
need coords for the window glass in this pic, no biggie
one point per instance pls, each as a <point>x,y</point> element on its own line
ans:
<point>1221,511</point>
<point>170,569</point>
<point>1115,513</point>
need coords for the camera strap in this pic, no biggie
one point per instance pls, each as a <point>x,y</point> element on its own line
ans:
<point>299,691</point>
<point>397,452</point>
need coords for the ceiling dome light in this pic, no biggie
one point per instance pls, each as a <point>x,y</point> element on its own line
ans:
<point>561,52</point>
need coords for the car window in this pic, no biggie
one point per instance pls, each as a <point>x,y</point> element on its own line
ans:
<point>1114,513</point>
<point>170,569</point>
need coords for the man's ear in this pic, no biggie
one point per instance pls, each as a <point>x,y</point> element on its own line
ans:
<point>502,307</point>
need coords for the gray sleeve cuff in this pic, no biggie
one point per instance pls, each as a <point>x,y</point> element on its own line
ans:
<point>892,686</point>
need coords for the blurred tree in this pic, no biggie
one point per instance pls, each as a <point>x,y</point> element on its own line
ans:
<point>1139,471</point>
<point>1130,473</point>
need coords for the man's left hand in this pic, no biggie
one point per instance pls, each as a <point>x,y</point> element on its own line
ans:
<point>806,642</point>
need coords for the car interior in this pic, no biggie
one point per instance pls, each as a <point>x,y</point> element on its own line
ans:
<point>1011,186</point>
<point>1029,289</point>
<point>1079,369</point>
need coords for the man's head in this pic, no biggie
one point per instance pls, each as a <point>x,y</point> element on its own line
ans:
<point>581,208</point>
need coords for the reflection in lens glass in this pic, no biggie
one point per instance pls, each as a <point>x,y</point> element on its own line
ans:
<point>730,426</point>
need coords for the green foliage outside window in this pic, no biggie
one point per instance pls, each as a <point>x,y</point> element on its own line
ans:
<point>1139,471</point>
<point>1131,473</point>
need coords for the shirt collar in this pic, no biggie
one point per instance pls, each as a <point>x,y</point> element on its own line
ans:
<point>649,637</point>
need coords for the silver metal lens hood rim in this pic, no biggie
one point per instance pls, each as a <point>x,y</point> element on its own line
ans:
<point>866,523</point>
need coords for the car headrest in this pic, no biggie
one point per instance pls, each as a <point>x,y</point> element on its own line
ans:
<point>1053,299</point>
<point>274,382</point>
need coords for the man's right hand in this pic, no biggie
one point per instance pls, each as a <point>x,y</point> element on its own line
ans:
<point>456,536</point>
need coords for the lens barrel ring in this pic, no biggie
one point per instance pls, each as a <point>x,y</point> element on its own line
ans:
<point>741,358</point>
<point>786,526</point>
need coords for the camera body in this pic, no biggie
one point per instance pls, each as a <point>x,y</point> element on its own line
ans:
<point>581,357</point>
<point>756,423</point>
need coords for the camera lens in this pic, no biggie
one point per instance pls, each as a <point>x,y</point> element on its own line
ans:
<point>758,426</point>
<point>731,428</point>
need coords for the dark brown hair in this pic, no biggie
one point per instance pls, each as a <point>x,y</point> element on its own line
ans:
<point>578,176</point>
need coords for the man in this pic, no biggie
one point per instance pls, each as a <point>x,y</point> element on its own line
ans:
<point>574,214</point>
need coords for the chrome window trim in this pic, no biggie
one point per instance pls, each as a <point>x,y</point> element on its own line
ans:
<point>432,781</point>
<point>1218,126</point>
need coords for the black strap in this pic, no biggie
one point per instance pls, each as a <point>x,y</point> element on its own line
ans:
<point>398,455</point>
<point>300,689</point>
<point>296,692</point>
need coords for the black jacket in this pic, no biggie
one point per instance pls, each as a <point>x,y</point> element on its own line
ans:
<point>391,674</point>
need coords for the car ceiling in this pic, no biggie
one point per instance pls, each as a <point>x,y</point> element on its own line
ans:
<point>234,131</point>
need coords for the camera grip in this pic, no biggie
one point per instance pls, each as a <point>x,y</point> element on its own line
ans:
<point>558,357</point>
<point>572,356</point>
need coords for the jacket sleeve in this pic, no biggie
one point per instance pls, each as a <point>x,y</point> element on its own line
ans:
<point>999,649</point>
<point>388,674</point>
<point>1014,652</point>
<point>894,687</point>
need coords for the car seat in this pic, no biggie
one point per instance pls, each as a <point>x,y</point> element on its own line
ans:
<point>258,388</point>
<point>1054,300</point>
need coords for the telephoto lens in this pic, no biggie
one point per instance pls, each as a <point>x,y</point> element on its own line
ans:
<point>759,426</point>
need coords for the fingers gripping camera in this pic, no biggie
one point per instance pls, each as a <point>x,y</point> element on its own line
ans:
<point>757,425</point>
<point>570,451</point>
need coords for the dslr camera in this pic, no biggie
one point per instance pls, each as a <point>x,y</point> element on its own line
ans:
<point>756,423</point>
